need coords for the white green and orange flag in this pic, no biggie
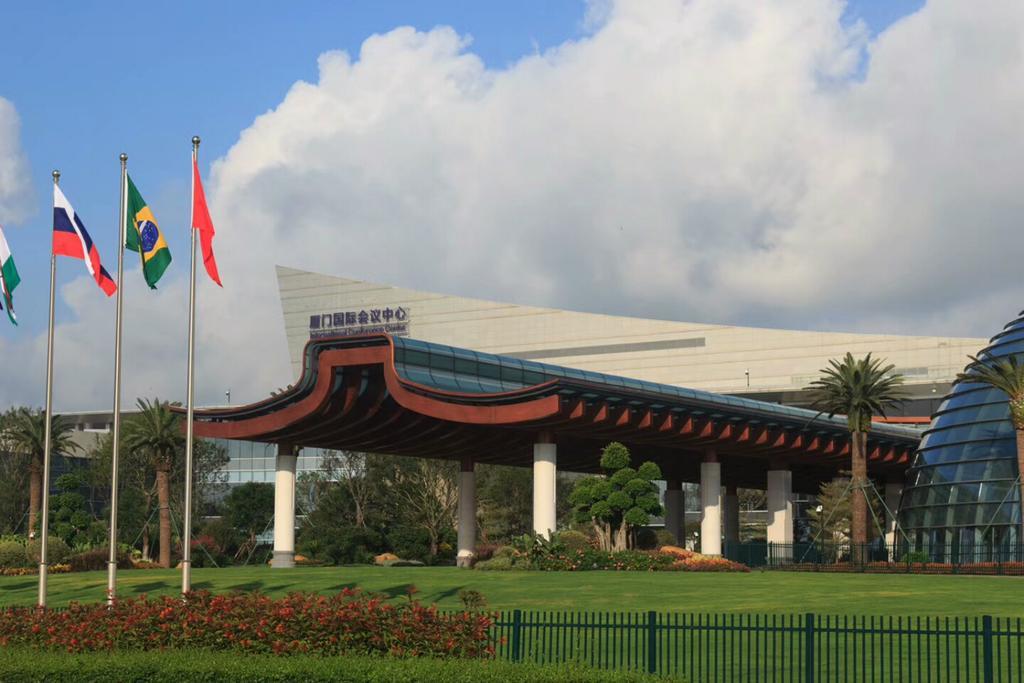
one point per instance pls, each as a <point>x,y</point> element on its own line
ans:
<point>9,278</point>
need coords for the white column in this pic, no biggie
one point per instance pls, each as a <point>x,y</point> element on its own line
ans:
<point>467,514</point>
<point>731,521</point>
<point>780,511</point>
<point>674,510</point>
<point>544,472</point>
<point>711,505</point>
<point>893,492</point>
<point>284,508</point>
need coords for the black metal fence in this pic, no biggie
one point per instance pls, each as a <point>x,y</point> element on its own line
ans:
<point>805,648</point>
<point>879,558</point>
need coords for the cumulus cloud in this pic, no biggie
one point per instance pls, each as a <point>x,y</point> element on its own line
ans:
<point>719,160</point>
<point>15,188</point>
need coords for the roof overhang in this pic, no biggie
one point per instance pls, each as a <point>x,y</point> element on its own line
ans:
<point>351,395</point>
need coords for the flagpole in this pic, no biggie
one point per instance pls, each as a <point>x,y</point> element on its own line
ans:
<point>45,522</point>
<point>116,439</point>
<point>186,552</point>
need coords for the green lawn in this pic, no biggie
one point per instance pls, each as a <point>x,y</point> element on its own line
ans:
<point>757,592</point>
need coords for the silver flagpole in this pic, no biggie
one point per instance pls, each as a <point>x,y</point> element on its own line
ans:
<point>186,543</point>
<point>45,523</point>
<point>116,441</point>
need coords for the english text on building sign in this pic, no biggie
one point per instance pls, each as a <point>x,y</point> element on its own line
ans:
<point>393,321</point>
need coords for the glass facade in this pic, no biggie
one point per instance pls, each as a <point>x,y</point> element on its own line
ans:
<point>252,461</point>
<point>961,498</point>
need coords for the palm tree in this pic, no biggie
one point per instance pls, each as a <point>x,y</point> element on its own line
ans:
<point>858,388</point>
<point>156,432</point>
<point>27,435</point>
<point>1005,373</point>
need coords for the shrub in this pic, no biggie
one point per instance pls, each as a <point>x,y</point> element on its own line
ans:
<point>91,560</point>
<point>472,599</point>
<point>484,551</point>
<point>12,554</point>
<point>402,563</point>
<point>343,624</point>
<point>669,559</point>
<point>646,539</point>
<point>28,571</point>
<point>665,537</point>
<point>505,551</point>
<point>220,537</point>
<point>409,542</point>
<point>574,540</point>
<point>497,563</point>
<point>708,563</point>
<point>352,545</point>
<point>59,550</point>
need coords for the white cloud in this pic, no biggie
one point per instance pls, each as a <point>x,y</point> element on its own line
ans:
<point>15,187</point>
<point>713,160</point>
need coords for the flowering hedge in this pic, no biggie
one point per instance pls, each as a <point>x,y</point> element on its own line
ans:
<point>347,623</point>
<point>636,560</point>
<point>28,571</point>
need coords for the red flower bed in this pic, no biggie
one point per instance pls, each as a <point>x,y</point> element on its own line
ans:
<point>346,623</point>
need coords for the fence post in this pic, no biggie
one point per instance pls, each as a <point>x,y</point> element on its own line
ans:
<point>652,642</point>
<point>809,647</point>
<point>986,647</point>
<point>517,625</point>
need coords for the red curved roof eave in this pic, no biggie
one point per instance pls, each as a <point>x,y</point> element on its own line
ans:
<point>429,403</point>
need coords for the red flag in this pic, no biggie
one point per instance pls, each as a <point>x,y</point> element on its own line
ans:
<point>201,222</point>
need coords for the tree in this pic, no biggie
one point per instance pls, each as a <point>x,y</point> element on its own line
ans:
<point>619,502</point>
<point>858,388</point>
<point>249,509</point>
<point>428,491</point>
<point>830,519</point>
<point>14,471</point>
<point>72,520</point>
<point>137,489</point>
<point>27,435</point>
<point>1005,373</point>
<point>349,469</point>
<point>504,502</point>
<point>156,432</point>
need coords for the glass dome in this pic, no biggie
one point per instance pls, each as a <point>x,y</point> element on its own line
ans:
<point>960,500</point>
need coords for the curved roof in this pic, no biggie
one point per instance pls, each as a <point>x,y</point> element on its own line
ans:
<point>352,387</point>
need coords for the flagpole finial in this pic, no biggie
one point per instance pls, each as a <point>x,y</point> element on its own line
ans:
<point>195,140</point>
<point>56,176</point>
<point>123,157</point>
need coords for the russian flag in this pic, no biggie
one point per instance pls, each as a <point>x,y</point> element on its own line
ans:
<point>70,238</point>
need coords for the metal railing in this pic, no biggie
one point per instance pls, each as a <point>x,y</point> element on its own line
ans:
<point>879,558</point>
<point>805,648</point>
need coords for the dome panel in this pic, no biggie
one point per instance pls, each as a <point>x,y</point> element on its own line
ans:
<point>961,494</point>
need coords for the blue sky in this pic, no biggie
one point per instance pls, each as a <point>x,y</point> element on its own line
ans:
<point>90,80</point>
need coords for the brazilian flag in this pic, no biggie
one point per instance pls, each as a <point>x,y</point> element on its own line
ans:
<point>144,236</point>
